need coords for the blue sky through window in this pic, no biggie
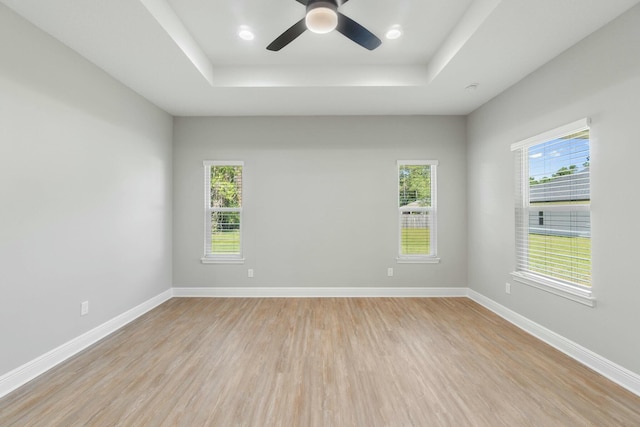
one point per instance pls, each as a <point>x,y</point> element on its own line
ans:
<point>547,158</point>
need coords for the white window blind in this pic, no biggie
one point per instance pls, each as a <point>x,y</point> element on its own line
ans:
<point>417,211</point>
<point>552,211</point>
<point>223,211</point>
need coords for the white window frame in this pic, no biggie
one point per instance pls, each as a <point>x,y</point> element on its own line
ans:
<point>210,258</point>
<point>431,258</point>
<point>571,291</point>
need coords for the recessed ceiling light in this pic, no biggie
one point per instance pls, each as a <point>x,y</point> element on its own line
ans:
<point>245,33</point>
<point>394,32</point>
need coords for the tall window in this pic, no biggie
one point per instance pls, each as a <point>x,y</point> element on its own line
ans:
<point>417,210</point>
<point>223,211</point>
<point>553,219</point>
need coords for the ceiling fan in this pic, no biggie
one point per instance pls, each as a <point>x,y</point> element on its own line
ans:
<point>322,17</point>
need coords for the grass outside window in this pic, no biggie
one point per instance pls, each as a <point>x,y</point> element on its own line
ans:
<point>225,242</point>
<point>571,259</point>
<point>415,241</point>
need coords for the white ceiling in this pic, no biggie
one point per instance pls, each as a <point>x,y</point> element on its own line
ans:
<point>185,55</point>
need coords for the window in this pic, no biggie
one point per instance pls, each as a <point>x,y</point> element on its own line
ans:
<point>417,211</point>
<point>223,212</point>
<point>553,218</point>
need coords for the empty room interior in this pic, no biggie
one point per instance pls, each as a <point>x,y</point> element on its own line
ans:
<point>319,213</point>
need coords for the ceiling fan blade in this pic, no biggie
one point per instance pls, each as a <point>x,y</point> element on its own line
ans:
<point>356,32</point>
<point>288,36</point>
<point>304,2</point>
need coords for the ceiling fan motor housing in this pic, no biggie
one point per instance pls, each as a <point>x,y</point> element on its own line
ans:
<point>322,16</point>
<point>322,3</point>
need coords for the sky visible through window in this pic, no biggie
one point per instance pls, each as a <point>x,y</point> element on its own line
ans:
<point>548,158</point>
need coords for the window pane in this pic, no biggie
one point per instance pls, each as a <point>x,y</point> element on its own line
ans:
<point>415,233</point>
<point>560,245</point>
<point>553,225</point>
<point>559,170</point>
<point>225,232</point>
<point>415,185</point>
<point>226,186</point>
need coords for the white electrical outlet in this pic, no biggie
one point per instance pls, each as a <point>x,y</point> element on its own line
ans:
<point>250,272</point>
<point>389,271</point>
<point>84,308</point>
<point>507,288</point>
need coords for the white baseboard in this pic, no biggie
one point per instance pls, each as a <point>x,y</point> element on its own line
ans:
<point>25,373</point>
<point>347,292</point>
<point>605,367</point>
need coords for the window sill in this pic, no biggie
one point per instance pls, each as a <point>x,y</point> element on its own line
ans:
<point>418,260</point>
<point>574,293</point>
<point>212,260</point>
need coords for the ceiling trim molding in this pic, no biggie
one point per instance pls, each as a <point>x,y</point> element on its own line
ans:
<point>473,18</point>
<point>326,76</point>
<point>169,21</point>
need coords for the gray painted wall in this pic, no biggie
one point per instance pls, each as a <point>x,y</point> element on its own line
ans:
<point>85,193</point>
<point>598,78</point>
<point>336,177</point>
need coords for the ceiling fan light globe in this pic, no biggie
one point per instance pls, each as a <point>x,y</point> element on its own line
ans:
<point>321,20</point>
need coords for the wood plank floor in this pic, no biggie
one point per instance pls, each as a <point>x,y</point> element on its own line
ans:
<point>320,362</point>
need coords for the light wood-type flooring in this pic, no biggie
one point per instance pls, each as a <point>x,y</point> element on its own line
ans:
<point>362,362</point>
